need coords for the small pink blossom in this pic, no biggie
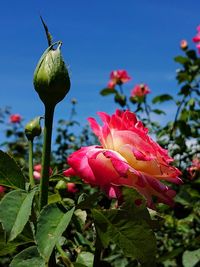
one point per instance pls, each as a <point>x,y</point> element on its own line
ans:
<point>15,118</point>
<point>194,169</point>
<point>37,169</point>
<point>2,189</point>
<point>196,39</point>
<point>127,157</point>
<point>71,188</point>
<point>118,77</point>
<point>140,90</point>
<point>198,47</point>
<point>183,44</point>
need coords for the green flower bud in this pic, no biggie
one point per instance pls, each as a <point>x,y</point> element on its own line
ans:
<point>33,128</point>
<point>51,78</point>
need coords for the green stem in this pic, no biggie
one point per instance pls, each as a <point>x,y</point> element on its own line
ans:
<point>30,145</point>
<point>46,153</point>
<point>97,255</point>
<point>65,259</point>
<point>176,116</point>
<point>146,108</point>
<point>122,93</point>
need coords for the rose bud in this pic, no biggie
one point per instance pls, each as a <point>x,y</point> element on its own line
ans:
<point>33,128</point>
<point>51,78</point>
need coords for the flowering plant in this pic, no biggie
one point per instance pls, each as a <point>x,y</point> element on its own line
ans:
<point>135,204</point>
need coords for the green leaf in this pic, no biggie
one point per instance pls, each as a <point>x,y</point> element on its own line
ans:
<point>191,102</point>
<point>185,89</point>
<point>191,258</point>
<point>15,209</point>
<point>108,91</point>
<point>51,224</point>
<point>54,198</point>
<point>28,257</point>
<point>86,202</point>
<point>85,258</point>
<point>181,59</point>
<point>158,111</point>
<point>10,247</point>
<point>10,173</point>
<point>192,54</point>
<point>48,35</point>
<point>129,228</point>
<point>162,98</point>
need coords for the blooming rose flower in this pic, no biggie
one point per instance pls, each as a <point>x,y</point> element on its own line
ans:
<point>196,39</point>
<point>127,156</point>
<point>15,118</point>
<point>184,44</point>
<point>140,90</point>
<point>118,77</point>
<point>194,169</point>
<point>37,171</point>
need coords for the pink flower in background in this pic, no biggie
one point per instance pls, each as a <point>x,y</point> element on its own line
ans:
<point>198,47</point>
<point>15,118</point>
<point>140,90</point>
<point>71,188</point>
<point>196,39</point>
<point>37,171</point>
<point>127,156</point>
<point>118,77</point>
<point>2,189</point>
<point>184,44</point>
<point>194,169</point>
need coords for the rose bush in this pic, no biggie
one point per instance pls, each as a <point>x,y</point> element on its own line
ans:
<point>127,156</point>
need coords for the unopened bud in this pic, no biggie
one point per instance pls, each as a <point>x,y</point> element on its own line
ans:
<point>51,78</point>
<point>73,101</point>
<point>184,44</point>
<point>33,128</point>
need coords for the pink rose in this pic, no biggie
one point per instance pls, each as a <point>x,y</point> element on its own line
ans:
<point>196,39</point>
<point>118,77</point>
<point>140,90</point>
<point>127,156</point>
<point>37,169</point>
<point>15,118</point>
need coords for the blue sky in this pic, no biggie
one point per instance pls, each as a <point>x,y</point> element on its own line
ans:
<point>98,37</point>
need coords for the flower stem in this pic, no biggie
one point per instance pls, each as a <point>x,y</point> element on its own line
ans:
<point>97,255</point>
<point>46,153</point>
<point>146,107</point>
<point>30,145</point>
<point>65,259</point>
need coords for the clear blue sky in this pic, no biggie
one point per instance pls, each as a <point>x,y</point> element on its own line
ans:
<point>98,37</point>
